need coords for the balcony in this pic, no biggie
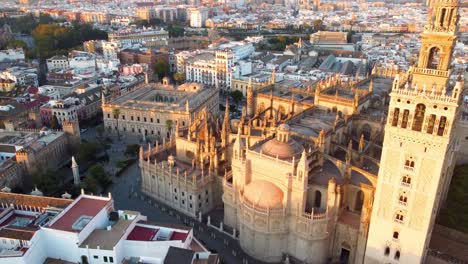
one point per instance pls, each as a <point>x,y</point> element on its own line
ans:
<point>404,184</point>
<point>432,72</point>
<point>409,168</point>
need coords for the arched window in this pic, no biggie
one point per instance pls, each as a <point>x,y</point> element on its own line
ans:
<point>396,115</point>
<point>419,117</point>
<point>433,58</point>
<point>443,12</point>
<point>318,199</point>
<point>387,251</point>
<point>442,123</point>
<point>404,120</point>
<point>403,198</point>
<point>366,130</point>
<point>430,125</point>
<point>397,255</point>
<point>399,217</point>
<point>359,201</point>
<point>395,235</point>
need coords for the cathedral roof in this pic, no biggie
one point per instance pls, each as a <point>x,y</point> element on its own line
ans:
<point>264,194</point>
<point>282,150</point>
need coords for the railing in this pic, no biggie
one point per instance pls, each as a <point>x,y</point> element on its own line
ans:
<point>408,168</point>
<point>431,72</point>
<point>404,184</point>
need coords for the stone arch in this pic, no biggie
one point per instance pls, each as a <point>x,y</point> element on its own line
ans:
<point>317,199</point>
<point>366,130</point>
<point>433,57</point>
<point>418,117</point>
<point>359,201</point>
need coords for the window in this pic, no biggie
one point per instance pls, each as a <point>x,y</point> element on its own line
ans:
<point>138,118</point>
<point>430,125</point>
<point>396,115</point>
<point>95,257</point>
<point>123,117</point>
<point>131,118</point>
<point>175,190</point>
<point>387,251</point>
<point>395,235</point>
<point>442,123</point>
<point>190,205</point>
<point>183,201</point>
<point>144,119</point>
<point>206,200</point>
<point>406,180</point>
<point>111,259</point>
<point>108,115</point>
<point>151,119</point>
<point>399,217</point>
<point>105,259</point>
<point>175,197</point>
<point>206,192</point>
<point>190,197</point>
<point>404,121</point>
<point>403,199</point>
<point>157,120</point>
<point>418,117</point>
<point>397,255</point>
<point>183,193</point>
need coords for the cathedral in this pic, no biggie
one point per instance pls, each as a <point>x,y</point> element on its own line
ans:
<point>349,171</point>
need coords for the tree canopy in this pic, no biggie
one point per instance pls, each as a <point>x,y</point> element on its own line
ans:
<point>161,68</point>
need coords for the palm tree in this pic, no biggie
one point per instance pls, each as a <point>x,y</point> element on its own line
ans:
<point>116,113</point>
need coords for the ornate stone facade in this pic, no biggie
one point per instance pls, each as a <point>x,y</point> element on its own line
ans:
<point>418,153</point>
<point>153,110</point>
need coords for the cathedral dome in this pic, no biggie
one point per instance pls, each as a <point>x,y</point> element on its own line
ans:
<point>282,146</point>
<point>264,194</point>
<point>284,150</point>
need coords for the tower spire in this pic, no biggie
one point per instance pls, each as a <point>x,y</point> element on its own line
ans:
<point>250,99</point>
<point>226,129</point>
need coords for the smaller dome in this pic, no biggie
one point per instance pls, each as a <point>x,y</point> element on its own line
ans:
<point>171,160</point>
<point>264,194</point>
<point>283,150</point>
<point>284,127</point>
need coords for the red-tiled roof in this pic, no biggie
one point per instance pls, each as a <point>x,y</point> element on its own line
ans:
<point>84,207</point>
<point>179,236</point>
<point>140,233</point>
<point>33,201</point>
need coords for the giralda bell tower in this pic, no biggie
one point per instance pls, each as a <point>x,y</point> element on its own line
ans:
<point>418,149</point>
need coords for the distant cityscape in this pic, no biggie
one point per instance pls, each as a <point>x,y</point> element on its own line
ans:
<point>191,132</point>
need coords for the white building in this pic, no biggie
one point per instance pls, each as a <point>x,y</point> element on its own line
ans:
<point>57,63</point>
<point>145,36</point>
<point>87,229</point>
<point>26,76</point>
<point>80,60</point>
<point>215,66</point>
<point>12,55</point>
<point>110,49</point>
<point>198,16</point>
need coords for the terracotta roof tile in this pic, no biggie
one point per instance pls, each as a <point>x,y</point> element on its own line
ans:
<point>33,201</point>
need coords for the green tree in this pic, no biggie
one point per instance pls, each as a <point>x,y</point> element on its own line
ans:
<point>97,172</point>
<point>15,43</point>
<point>161,68</point>
<point>175,31</point>
<point>237,96</point>
<point>87,151</point>
<point>179,77</point>
<point>90,184</point>
<point>116,114</point>
<point>100,131</point>
<point>132,150</point>
<point>54,124</point>
<point>169,124</point>
<point>49,182</point>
